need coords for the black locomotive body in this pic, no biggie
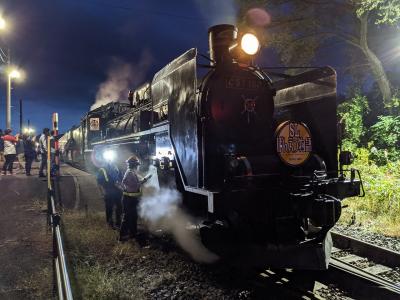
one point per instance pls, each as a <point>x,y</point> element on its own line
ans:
<point>256,158</point>
<point>76,144</point>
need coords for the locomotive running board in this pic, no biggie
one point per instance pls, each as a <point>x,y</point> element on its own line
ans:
<point>207,193</point>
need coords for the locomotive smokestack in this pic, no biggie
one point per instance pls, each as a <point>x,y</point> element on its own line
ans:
<point>220,38</point>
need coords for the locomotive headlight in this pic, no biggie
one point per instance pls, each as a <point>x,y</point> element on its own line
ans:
<point>250,44</point>
<point>109,155</point>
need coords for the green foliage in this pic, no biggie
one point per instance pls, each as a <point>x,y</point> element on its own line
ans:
<point>386,11</point>
<point>351,113</point>
<point>386,132</point>
<point>385,138</point>
<point>382,188</point>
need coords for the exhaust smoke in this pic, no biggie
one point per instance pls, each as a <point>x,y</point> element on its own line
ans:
<point>159,207</point>
<point>218,12</point>
<point>121,77</point>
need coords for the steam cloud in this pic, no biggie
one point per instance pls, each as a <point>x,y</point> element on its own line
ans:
<point>159,208</point>
<point>120,78</point>
<point>218,12</point>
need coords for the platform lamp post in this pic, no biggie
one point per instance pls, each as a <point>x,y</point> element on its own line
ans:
<point>13,74</point>
<point>56,144</point>
<point>4,57</point>
<point>3,23</point>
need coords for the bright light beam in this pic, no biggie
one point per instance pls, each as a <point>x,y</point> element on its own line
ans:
<point>250,44</point>
<point>109,155</point>
<point>14,74</point>
<point>3,23</point>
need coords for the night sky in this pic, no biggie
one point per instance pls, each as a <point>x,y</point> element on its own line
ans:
<point>68,48</point>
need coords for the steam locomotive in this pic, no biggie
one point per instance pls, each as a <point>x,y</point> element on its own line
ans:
<point>255,153</point>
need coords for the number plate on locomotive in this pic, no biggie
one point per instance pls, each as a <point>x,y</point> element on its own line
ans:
<point>242,83</point>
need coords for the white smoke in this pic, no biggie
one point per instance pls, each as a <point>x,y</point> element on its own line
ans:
<point>122,77</point>
<point>218,12</point>
<point>159,207</point>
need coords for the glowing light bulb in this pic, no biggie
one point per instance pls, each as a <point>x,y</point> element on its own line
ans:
<point>250,44</point>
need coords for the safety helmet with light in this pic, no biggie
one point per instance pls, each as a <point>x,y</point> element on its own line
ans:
<point>133,161</point>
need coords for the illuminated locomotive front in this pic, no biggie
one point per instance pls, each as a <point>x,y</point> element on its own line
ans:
<point>257,158</point>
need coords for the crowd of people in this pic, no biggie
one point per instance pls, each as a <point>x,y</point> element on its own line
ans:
<point>121,193</point>
<point>24,149</point>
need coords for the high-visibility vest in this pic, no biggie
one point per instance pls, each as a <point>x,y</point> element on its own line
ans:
<point>136,194</point>
<point>105,174</point>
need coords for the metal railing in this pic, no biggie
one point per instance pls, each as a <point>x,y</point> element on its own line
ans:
<point>63,284</point>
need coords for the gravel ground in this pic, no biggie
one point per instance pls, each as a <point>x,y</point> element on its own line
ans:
<point>363,234</point>
<point>331,292</point>
<point>393,275</point>
<point>156,268</point>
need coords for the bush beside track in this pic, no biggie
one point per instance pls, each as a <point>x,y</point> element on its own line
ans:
<point>379,211</point>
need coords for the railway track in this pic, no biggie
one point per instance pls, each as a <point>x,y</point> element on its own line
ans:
<point>358,270</point>
<point>364,270</point>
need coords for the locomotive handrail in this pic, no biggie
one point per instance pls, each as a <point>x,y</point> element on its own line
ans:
<point>162,126</point>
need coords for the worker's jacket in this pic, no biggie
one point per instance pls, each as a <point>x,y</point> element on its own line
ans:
<point>132,184</point>
<point>107,177</point>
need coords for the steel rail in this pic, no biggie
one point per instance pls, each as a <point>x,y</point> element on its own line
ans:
<point>376,253</point>
<point>384,286</point>
<point>359,280</point>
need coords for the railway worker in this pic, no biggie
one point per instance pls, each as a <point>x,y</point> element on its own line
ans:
<point>43,150</point>
<point>132,190</point>
<point>108,177</point>
<point>9,151</point>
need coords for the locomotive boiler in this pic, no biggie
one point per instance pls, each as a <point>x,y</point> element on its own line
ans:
<point>254,153</point>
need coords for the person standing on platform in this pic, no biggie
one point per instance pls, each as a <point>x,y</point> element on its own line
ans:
<point>43,151</point>
<point>20,154</point>
<point>108,177</point>
<point>132,190</point>
<point>1,146</point>
<point>29,152</point>
<point>9,151</point>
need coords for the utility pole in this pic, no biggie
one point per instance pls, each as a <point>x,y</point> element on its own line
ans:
<point>8,100</point>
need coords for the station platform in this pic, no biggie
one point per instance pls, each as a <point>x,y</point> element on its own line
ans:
<point>25,239</point>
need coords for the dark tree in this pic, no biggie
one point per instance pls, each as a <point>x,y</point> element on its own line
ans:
<point>299,28</point>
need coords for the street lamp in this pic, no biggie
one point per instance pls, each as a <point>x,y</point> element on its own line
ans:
<point>3,23</point>
<point>12,74</point>
<point>29,131</point>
